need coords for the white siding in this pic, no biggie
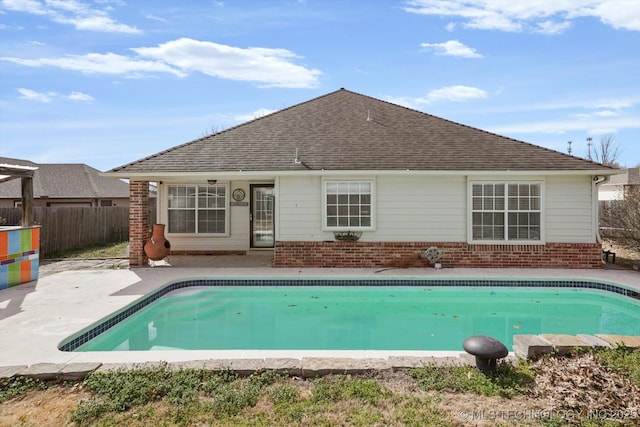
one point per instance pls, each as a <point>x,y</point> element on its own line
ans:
<point>238,238</point>
<point>569,210</point>
<point>408,208</point>
<point>421,209</point>
<point>299,209</point>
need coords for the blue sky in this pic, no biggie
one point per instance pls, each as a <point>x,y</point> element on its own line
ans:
<point>107,82</point>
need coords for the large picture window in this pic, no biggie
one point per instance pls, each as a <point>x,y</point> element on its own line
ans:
<point>348,205</point>
<point>506,211</point>
<point>198,209</point>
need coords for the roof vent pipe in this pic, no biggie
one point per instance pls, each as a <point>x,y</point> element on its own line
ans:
<point>297,160</point>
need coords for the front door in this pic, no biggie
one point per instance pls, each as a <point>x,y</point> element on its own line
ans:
<point>262,223</point>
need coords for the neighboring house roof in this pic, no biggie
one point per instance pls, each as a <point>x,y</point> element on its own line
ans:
<point>344,130</point>
<point>68,181</point>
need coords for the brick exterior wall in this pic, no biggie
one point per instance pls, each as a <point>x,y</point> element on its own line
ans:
<point>458,255</point>
<point>138,221</point>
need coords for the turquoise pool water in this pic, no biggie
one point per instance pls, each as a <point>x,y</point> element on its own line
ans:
<point>362,317</point>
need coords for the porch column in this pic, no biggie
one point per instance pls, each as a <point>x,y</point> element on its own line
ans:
<point>138,221</point>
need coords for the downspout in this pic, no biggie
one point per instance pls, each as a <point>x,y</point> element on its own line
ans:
<point>597,180</point>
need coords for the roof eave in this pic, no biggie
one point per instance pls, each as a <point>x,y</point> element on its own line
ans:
<point>245,175</point>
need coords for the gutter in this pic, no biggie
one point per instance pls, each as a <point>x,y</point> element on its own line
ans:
<point>597,181</point>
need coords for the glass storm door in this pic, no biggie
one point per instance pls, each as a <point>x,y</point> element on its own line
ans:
<point>262,224</point>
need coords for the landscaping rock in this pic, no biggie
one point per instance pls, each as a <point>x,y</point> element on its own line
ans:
<point>404,362</point>
<point>319,366</point>
<point>244,367</point>
<point>526,346</point>
<point>77,371</point>
<point>11,371</point>
<point>564,343</point>
<point>42,371</point>
<point>625,340</point>
<point>594,341</point>
<point>289,366</point>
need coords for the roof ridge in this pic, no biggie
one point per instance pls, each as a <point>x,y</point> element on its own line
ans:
<point>90,176</point>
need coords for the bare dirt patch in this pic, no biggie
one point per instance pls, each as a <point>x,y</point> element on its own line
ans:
<point>625,257</point>
<point>45,408</point>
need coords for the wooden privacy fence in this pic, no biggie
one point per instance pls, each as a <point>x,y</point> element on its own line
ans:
<point>75,227</point>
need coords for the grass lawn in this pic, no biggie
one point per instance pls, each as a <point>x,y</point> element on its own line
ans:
<point>598,388</point>
<point>111,250</point>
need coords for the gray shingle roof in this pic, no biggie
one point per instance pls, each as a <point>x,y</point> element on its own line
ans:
<point>344,130</point>
<point>77,181</point>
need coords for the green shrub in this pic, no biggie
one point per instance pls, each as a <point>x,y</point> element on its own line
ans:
<point>622,360</point>
<point>333,389</point>
<point>508,381</point>
<point>17,386</point>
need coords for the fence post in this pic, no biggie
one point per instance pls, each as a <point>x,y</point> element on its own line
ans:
<point>27,201</point>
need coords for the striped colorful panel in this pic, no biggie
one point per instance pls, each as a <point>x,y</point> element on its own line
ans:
<point>19,256</point>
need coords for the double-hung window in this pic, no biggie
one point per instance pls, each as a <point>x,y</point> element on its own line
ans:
<point>348,205</point>
<point>506,211</point>
<point>197,209</point>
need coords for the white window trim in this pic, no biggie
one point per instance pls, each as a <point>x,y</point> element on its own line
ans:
<point>198,235</point>
<point>371,181</point>
<point>506,241</point>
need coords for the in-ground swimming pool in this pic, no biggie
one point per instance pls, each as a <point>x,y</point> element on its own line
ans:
<point>358,314</point>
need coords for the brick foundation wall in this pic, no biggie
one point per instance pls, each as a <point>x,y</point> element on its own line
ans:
<point>459,255</point>
<point>138,221</point>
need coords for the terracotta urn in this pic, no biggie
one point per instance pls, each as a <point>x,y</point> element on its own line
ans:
<point>157,247</point>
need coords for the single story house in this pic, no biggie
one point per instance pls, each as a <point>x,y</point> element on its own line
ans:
<point>619,185</point>
<point>347,180</point>
<point>58,184</point>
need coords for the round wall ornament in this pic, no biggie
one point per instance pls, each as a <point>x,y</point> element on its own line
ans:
<point>238,194</point>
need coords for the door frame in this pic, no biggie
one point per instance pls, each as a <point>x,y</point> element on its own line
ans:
<point>251,214</point>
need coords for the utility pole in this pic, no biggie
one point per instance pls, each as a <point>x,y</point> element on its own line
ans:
<point>569,147</point>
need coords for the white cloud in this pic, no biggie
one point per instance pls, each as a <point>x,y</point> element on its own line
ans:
<point>266,66</point>
<point>601,113</point>
<point>456,94</point>
<point>96,63</point>
<point>541,16</point>
<point>616,104</point>
<point>28,6</point>
<point>79,96</point>
<point>32,95</point>
<point>81,15</point>
<point>269,67</point>
<point>156,18</point>
<point>450,93</point>
<point>260,112</point>
<point>48,97</point>
<point>452,48</point>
